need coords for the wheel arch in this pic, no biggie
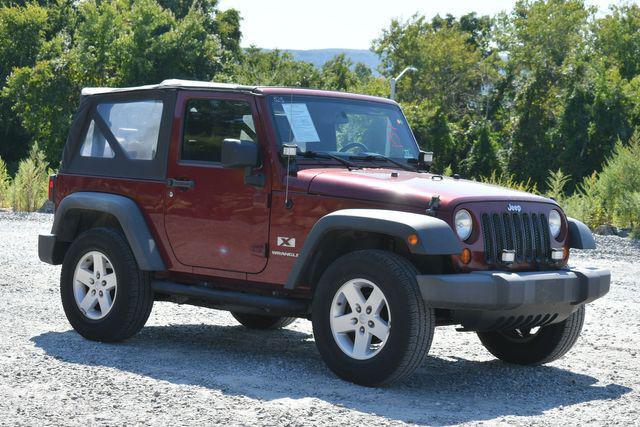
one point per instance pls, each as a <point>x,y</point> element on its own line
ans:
<point>348,230</point>
<point>84,210</point>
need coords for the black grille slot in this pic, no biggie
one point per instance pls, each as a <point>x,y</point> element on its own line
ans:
<point>519,237</point>
<point>488,240</point>
<point>508,231</point>
<point>498,231</point>
<point>546,239</point>
<point>526,234</point>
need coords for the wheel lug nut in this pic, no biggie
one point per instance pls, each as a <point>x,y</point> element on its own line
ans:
<point>362,329</point>
<point>93,292</point>
<point>91,281</point>
<point>358,309</point>
<point>100,293</point>
<point>368,310</point>
<point>370,324</point>
<point>104,283</point>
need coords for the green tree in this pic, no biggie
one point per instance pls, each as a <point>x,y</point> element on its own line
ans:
<point>482,160</point>
<point>617,39</point>
<point>115,43</point>
<point>22,34</point>
<point>542,39</point>
<point>449,68</point>
<point>339,73</point>
<point>274,68</point>
<point>433,132</point>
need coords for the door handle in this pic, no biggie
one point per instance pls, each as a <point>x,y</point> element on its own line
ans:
<point>179,184</point>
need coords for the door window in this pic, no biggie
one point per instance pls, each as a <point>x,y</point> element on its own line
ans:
<point>208,122</point>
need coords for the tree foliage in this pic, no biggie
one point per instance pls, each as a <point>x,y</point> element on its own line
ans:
<point>548,86</point>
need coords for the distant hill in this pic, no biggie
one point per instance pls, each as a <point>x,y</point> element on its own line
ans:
<point>319,56</point>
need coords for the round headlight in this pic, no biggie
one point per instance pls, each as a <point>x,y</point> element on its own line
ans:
<point>464,224</point>
<point>555,223</point>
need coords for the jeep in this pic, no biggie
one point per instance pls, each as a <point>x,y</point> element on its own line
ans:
<point>280,203</point>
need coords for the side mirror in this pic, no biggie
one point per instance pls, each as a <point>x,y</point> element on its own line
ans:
<point>239,154</point>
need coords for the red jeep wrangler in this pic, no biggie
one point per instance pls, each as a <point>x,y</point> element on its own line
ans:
<point>278,203</point>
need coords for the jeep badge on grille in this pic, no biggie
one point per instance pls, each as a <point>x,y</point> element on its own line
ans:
<point>514,208</point>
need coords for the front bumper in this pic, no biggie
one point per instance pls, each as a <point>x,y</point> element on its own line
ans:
<point>490,300</point>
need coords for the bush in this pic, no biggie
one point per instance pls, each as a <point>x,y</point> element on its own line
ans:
<point>619,183</point>
<point>613,196</point>
<point>556,182</point>
<point>509,181</point>
<point>4,184</point>
<point>586,204</point>
<point>30,185</point>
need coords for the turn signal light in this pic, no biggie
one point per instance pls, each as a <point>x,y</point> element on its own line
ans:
<point>465,256</point>
<point>412,239</point>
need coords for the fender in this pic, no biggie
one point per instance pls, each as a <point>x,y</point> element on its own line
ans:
<point>128,214</point>
<point>580,237</point>
<point>435,237</point>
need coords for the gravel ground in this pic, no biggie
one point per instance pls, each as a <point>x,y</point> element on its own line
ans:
<point>192,365</point>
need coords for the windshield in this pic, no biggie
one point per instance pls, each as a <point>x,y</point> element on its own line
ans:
<point>344,127</point>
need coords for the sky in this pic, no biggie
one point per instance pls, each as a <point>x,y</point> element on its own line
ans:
<point>345,24</point>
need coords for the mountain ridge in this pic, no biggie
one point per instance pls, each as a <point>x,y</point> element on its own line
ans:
<point>319,56</point>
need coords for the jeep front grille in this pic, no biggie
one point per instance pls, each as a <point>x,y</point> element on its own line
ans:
<point>525,233</point>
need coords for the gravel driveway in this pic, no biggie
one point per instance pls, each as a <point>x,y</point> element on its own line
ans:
<point>191,365</point>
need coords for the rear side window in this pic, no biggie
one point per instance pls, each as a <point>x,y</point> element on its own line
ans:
<point>208,122</point>
<point>136,126</point>
<point>95,144</point>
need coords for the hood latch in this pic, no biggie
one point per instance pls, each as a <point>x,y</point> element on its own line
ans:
<point>434,204</point>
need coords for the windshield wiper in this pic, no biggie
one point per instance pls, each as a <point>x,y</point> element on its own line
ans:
<point>401,165</point>
<point>317,155</point>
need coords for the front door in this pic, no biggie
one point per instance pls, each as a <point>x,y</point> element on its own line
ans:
<point>212,218</point>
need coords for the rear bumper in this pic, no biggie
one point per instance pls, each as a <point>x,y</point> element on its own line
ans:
<point>50,249</point>
<point>496,299</point>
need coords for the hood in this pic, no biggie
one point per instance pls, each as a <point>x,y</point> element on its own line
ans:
<point>407,188</point>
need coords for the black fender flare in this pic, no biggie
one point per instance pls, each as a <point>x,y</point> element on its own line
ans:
<point>580,237</point>
<point>128,214</point>
<point>435,237</point>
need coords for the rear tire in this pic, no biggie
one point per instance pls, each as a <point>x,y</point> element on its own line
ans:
<point>549,343</point>
<point>105,296</point>
<point>259,321</point>
<point>370,323</point>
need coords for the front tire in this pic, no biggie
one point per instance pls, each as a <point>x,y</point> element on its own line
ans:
<point>105,296</point>
<point>370,323</point>
<point>523,347</point>
<point>259,321</point>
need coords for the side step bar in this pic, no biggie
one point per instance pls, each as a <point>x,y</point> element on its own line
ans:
<point>233,299</point>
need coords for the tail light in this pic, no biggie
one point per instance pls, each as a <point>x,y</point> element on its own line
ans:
<point>52,187</point>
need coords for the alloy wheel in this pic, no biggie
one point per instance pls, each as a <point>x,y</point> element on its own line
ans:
<point>360,319</point>
<point>95,285</point>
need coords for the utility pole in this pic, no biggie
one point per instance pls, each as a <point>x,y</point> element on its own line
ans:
<point>394,81</point>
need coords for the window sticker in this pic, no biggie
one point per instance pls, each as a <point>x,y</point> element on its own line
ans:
<point>301,123</point>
